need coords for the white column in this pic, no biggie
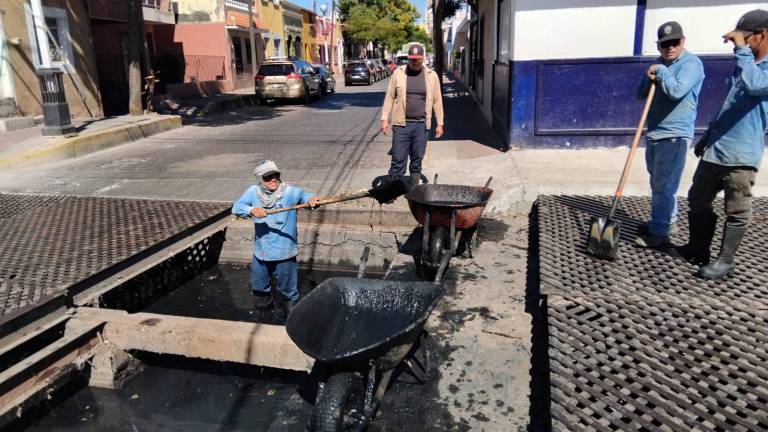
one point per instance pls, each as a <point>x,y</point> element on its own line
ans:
<point>42,37</point>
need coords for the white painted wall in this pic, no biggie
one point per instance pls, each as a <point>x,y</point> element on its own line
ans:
<point>565,29</point>
<point>703,24</point>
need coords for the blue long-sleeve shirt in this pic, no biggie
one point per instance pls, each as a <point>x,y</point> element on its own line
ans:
<point>673,109</point>
<point>737,135</point>
<point>275,236</point>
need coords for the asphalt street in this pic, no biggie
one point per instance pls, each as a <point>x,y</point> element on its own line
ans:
<point>330,146</point>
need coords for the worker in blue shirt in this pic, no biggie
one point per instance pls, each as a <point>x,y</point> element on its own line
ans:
<point>678,75</point>
<point>275,243</point>
<point>731,151</point>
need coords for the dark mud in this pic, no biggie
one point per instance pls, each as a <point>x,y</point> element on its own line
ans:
<point>177,394</point>
<point>223,292</point>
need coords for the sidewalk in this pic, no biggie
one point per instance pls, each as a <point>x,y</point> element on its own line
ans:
<point>27,146</point>
<point>468,154</point>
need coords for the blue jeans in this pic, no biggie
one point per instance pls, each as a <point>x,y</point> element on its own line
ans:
<point>665,160</point>
<point>409,140</point>
<point>284,271</point>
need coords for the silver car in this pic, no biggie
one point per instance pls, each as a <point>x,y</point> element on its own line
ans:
<point>292,78</point>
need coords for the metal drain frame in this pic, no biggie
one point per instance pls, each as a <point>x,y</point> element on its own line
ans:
<point>98,244</point>
<point>642,344</point>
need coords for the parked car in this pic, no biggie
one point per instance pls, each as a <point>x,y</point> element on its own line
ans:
<point>327,81</point>
<point>383,69</point>
<point>358,72</point>
<point>286,78</point>
<point>377,75</point>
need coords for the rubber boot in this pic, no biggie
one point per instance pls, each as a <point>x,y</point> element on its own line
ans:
<point>701,229</point>
<point>723,265</point>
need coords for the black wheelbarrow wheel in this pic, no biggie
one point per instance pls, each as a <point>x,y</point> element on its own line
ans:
<point>339,406</point>
<point>438,241</point>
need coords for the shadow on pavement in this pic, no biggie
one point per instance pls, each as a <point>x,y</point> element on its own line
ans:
<point>465,121</point>
<point>236,116</point>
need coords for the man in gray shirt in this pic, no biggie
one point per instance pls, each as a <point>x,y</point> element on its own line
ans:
<point>413,94</point>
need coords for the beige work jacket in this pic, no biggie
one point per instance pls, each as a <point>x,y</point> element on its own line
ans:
<point>394,101</point>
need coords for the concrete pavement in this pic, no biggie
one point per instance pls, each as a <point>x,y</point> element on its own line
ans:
<point>29,147</point>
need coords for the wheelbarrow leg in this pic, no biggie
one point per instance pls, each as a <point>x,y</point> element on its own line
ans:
<point>453,231</point>
<point>425,237</point>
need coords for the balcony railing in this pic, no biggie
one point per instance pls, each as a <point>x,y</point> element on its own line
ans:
<point>161,5</point>
<point>239,5</point>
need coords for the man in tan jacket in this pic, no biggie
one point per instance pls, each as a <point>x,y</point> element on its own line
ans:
<point>413,95</point>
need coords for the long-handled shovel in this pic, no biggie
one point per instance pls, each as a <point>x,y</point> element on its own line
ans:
<point>383,193</point>
<point>604,233</point>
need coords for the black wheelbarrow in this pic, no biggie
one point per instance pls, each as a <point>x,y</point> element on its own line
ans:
<point>446,212</point>
<point>359,331</point>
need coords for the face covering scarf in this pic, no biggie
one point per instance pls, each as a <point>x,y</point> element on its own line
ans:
<point>269,198</point>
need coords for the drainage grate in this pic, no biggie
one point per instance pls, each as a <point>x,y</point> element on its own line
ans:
<point>634,365</point>
<point>642,343</point>
<point>50,243</point>
<point>639,273</point>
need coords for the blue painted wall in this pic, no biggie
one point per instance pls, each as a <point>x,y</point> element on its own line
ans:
<point>591,102</point>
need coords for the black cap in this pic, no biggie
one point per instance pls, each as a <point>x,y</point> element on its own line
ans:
<point>415,52</point>
<point>753,21</point>
<point>669,31</point>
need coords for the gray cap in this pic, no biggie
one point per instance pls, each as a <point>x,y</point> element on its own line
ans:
<point>670,30</point>
<point>265,167</point>
<point>753,21</point>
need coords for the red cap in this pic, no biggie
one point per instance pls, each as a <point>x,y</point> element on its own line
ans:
<point>415,52</point>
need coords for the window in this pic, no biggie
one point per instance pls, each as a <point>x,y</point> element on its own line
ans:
<point>59,39</point>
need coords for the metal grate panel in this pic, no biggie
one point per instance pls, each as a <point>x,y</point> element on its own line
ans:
<point>640,273</point>
<point>634,365</point>
<point>642,343</point>
<point>52,243</point>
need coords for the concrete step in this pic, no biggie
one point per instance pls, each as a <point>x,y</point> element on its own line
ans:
<point>10,124</point>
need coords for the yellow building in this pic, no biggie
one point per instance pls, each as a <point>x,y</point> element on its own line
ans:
<point>271,14</point>
<point>309,36</point>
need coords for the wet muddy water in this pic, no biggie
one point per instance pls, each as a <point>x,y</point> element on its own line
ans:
<point>178,394</point>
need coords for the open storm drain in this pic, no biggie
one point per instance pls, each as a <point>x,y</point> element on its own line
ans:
<point>642,343</point>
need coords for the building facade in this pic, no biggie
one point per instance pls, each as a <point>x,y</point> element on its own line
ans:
<point>552,74</point>
<point>70,50</point>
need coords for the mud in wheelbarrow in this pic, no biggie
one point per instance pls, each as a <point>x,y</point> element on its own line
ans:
<point>359,330</point>
<point>444,210</point>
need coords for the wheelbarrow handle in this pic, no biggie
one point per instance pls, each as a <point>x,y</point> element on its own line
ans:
<point>488,183</point>
<point>322,201</point>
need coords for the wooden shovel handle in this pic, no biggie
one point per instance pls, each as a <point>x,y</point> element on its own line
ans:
<point>635,141</point>
<point>322,201</point>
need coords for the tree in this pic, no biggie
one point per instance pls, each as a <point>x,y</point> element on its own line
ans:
<point>441,11</point>
<point>383,22</point>
<point>135,42</point>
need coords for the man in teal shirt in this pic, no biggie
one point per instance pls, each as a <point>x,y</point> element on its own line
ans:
<point>275,243</point>
<point>678,75</point>
<point>731,151</point>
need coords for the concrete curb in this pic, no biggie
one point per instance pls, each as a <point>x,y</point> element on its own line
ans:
<point>67,148</point>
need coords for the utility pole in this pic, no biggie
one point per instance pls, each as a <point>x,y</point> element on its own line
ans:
<point>135,33</point>
<point>333,24</point>
<point>252,38</point>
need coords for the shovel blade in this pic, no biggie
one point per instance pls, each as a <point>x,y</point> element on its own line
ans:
<point>386,190</point>
<point>603,239</point>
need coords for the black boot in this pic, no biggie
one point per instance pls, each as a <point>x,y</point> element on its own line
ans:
<point>701,228</point>
<point>263,300</point>
<point>723,266</point>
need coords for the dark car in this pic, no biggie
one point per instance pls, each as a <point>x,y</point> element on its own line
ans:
<point>286,78</point>
<point>327,81</point>
<point>358,72</point>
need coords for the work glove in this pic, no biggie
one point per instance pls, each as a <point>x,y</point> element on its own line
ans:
<point>701,145</point>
